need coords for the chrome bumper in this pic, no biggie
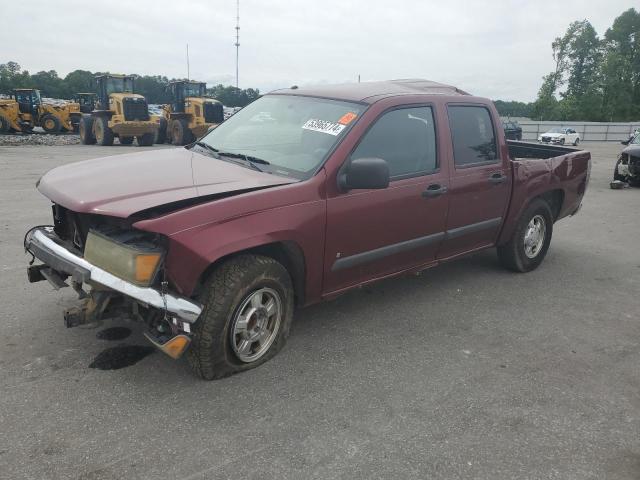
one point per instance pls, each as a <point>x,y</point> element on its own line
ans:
<point>41,243</point>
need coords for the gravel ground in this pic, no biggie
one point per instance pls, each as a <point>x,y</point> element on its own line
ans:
<point>467,371</point>
<point>39,139</point>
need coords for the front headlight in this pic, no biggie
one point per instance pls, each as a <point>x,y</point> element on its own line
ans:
<point>135,261</point>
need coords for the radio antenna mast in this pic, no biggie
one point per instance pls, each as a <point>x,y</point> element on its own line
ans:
<point>237,44</point>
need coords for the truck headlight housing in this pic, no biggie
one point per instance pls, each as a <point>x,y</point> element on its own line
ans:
<point>128,257</point>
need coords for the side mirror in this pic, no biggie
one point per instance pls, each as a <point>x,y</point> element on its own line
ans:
<point>364,174</point>
<point>625,142</point>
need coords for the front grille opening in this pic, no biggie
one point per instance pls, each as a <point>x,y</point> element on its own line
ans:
<point>135,109</point>
<point>213,112</point>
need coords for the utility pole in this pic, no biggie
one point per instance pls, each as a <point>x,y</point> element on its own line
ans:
<point>188,73</point>
<point>237,44</point>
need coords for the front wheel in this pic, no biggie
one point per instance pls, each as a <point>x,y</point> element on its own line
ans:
<point>575,144</point>
<point>248,309</point>
<point>146,140</point>
<point>530,240</point>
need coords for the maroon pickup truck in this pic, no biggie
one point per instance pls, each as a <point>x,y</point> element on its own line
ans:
<point>300,196</point>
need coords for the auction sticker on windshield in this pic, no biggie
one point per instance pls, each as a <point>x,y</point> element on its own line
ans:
<point>323,126</point>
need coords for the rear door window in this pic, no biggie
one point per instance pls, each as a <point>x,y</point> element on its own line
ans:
<point>472,134</point>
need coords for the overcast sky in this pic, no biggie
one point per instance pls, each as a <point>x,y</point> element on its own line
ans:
<point>497,49</point>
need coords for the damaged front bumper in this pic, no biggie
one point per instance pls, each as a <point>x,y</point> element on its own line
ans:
<point>44,244</point>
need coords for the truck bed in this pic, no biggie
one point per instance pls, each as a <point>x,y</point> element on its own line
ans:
<point>519,149</point>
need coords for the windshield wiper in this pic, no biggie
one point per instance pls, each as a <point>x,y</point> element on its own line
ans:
<point>208,147</point>
<point>250,160</point>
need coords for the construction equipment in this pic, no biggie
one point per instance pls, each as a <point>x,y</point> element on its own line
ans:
<point>119,113</point>
<point>190,114</point>
<point>26,111</point>
<point>85,101</point>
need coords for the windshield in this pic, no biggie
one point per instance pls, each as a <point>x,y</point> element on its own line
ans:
<point>28,96</point>
<point>556,130</point>
<point>118,85</point>
<point>293,134</point>
<point>636,140</point>
<point>194,90</point>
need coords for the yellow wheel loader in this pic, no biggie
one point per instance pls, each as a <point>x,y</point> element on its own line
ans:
<point>190,114</point>
<point>86,101</point>
<point>119,113</point>
<point>26,111</point>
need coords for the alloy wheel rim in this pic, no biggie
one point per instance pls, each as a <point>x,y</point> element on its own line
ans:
<point>534,236</point>
<point>256,324</point>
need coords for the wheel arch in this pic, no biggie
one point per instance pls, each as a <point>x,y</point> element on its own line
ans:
<point>287,253</point>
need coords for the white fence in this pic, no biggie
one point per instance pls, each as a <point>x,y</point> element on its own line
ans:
<point>589,131</point>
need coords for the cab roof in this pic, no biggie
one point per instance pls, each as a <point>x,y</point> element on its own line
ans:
<point>369,92</point>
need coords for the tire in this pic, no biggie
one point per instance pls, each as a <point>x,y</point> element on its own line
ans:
<point>50,123</point>
<point>562,141</point>
<point>575,144</point>
<point>514,255</point>
<point>633,182</point>
<point>180,133</point>
<point>216,349</point>
<point>616,175</point>
<point>5,126</point>
<point>146,140</point>
<point>161,133</point>
<point>104,135</point>
<point>125,140</point>
<point>85,129</point>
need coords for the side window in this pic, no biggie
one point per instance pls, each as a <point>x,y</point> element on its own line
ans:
<point>474,140</point>
<point>405,139</point>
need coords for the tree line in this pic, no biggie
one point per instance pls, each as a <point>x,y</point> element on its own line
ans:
<point>152,87</point>
<point>595,79</point>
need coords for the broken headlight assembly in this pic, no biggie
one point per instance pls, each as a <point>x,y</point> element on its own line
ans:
<point>131,255</point>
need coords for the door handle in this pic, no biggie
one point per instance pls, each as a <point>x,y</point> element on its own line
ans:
<point>497,178</point>
<point>434,190</point>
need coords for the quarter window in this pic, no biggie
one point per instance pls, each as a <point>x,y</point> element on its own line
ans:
<point>473,137</point>
<point>405,139</point>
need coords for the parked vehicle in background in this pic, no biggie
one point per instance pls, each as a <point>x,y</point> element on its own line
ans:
<point>560,136</point>
<point>26,110</point>
<point>512,130</point>
<point>189,115</point>
<point>627,167</point>
<point>214,244</point>
<point>86,101</point>
<point>119,113</point>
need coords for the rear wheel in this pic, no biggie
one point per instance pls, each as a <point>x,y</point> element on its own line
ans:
<point>530,240</point>
<point>146,140</point>
<point>246,318</point>
<point>104,135</point>
<point>125,140</point>
<point>50,123</point>
<point>85,129</point>
<point>180,133</point>
<point>161,133</point>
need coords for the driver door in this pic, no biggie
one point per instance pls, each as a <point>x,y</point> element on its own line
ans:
<point>374,233</point>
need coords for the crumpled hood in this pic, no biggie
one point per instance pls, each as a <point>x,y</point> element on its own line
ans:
<point>552,135</point>
<point>122,185</point>
<point>633,150</point>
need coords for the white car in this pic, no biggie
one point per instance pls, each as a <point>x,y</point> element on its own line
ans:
<point>560,136</point>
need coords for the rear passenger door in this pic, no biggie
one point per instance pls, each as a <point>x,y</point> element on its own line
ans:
<point>479,184</point>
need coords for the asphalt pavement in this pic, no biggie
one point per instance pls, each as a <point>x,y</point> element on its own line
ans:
<point>466,371</point>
